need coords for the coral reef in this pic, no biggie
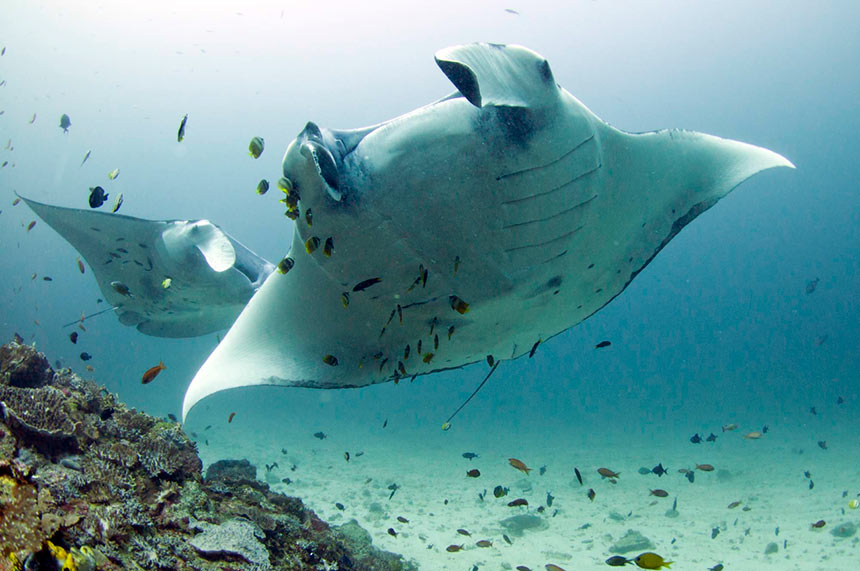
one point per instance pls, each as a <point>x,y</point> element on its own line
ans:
<point>87,483</point>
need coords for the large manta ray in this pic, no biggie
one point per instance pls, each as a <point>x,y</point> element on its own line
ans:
<point>481,224</point>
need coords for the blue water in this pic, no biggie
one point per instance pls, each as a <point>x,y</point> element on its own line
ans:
<point>717,329</point>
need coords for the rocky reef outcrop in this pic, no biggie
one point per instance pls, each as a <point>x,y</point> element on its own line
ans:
<point>87,483</point>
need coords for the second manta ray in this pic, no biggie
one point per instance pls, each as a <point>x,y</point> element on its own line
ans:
<point>481,224</point>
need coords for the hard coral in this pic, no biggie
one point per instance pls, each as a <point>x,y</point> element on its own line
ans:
<point>23,366</point>
<point>19,516</point>
<point>79,468</point>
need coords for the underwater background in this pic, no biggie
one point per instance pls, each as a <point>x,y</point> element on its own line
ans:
<point>718,329</point>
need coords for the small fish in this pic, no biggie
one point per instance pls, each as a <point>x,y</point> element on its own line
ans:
<point>346,456</point>
<point>81,266</point>
<point>658,469</point>
<point>16,202</point>
<point>507,539</point>
<point>473,473</point>
<point>490,360</point>
<point>811,285</point>
<point>427,357</point>
<point>660,493</point>
<point>453,548</point>
<point>255,147</point>
<point>117,203</point>
<point>180,135</point>
<point>435,342</point>
<point>840,400</point>
<point>549,499</point>
<point>361,286</point>
<point>591,494</point>
<point>121,288</point>
<point>727,427</point>
<point>450,332</point>
<point>649,560</point>
<point>734,504</point>
<point>320,435</point>
<point>812,410</point>
<point>456,265</point>
<point>384,424</point>
<point>391,532</point>
<point>607,473</point>
<point>171,416</point>
<point>618,561</point>
<point>328,250</point>
<point>166,283</point>
<point>31,225</point>
<point>764,429</point>
<point>705,467</point>
<point>469,455</point>
<point>578,475</point>
<point>65,123</point>
<point>402,519</point>
<point>518,502</point>
<point>113,174</point>
<point>230,418</point>
<point>33,120</point>
<point>464,532</point>
<point>311,244</point>
<point>715,532</point>
<point>534,348</point>
<point>711,437</point>
<point>47,279</point>
<point>73,337</point>
<point>98,196</point>
<point>344,299</point>
<point>86,156</point>
<point>89,368</point>
<point>603,344</point>
<point>519,465</point>
<point>822,444</point>
<point>690,475</point>
<point>84,356</point>
<point>286,265</point>
<point>330,360</point>
<point>819,524</point>
<point>754,435</point>
<point>552,567</point>
<point>512,11</point>
<point>717,567</point>
<point>484,543</point>
<point>152,372</point>
<point>393,488</point>
<point>696,439</point>
<point>458,304</point>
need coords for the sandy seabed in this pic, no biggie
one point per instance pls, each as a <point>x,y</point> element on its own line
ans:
<point>437,498</point>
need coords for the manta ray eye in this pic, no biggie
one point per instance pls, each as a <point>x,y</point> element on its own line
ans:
<point>326,167</point>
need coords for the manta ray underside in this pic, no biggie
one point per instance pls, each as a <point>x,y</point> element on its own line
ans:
<point>481,224</point>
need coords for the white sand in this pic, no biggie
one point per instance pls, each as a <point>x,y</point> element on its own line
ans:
<point>765,475</point>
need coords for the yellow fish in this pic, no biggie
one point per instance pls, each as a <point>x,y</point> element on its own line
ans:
<point>649,560</point>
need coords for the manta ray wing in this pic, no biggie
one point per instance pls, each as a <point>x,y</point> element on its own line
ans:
<point>483,223</point>
<point>211,275</point>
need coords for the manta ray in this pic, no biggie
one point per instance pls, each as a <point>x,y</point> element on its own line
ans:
<point>473,228</point>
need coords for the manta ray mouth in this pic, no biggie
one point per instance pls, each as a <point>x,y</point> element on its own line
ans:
<point>326,167</point>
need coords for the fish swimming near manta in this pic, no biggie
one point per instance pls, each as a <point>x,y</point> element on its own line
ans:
<point>508,195</point>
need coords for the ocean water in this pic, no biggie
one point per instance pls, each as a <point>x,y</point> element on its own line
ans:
<point>718,329</point>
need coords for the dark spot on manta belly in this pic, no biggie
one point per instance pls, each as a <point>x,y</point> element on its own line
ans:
<point>517,123</point>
